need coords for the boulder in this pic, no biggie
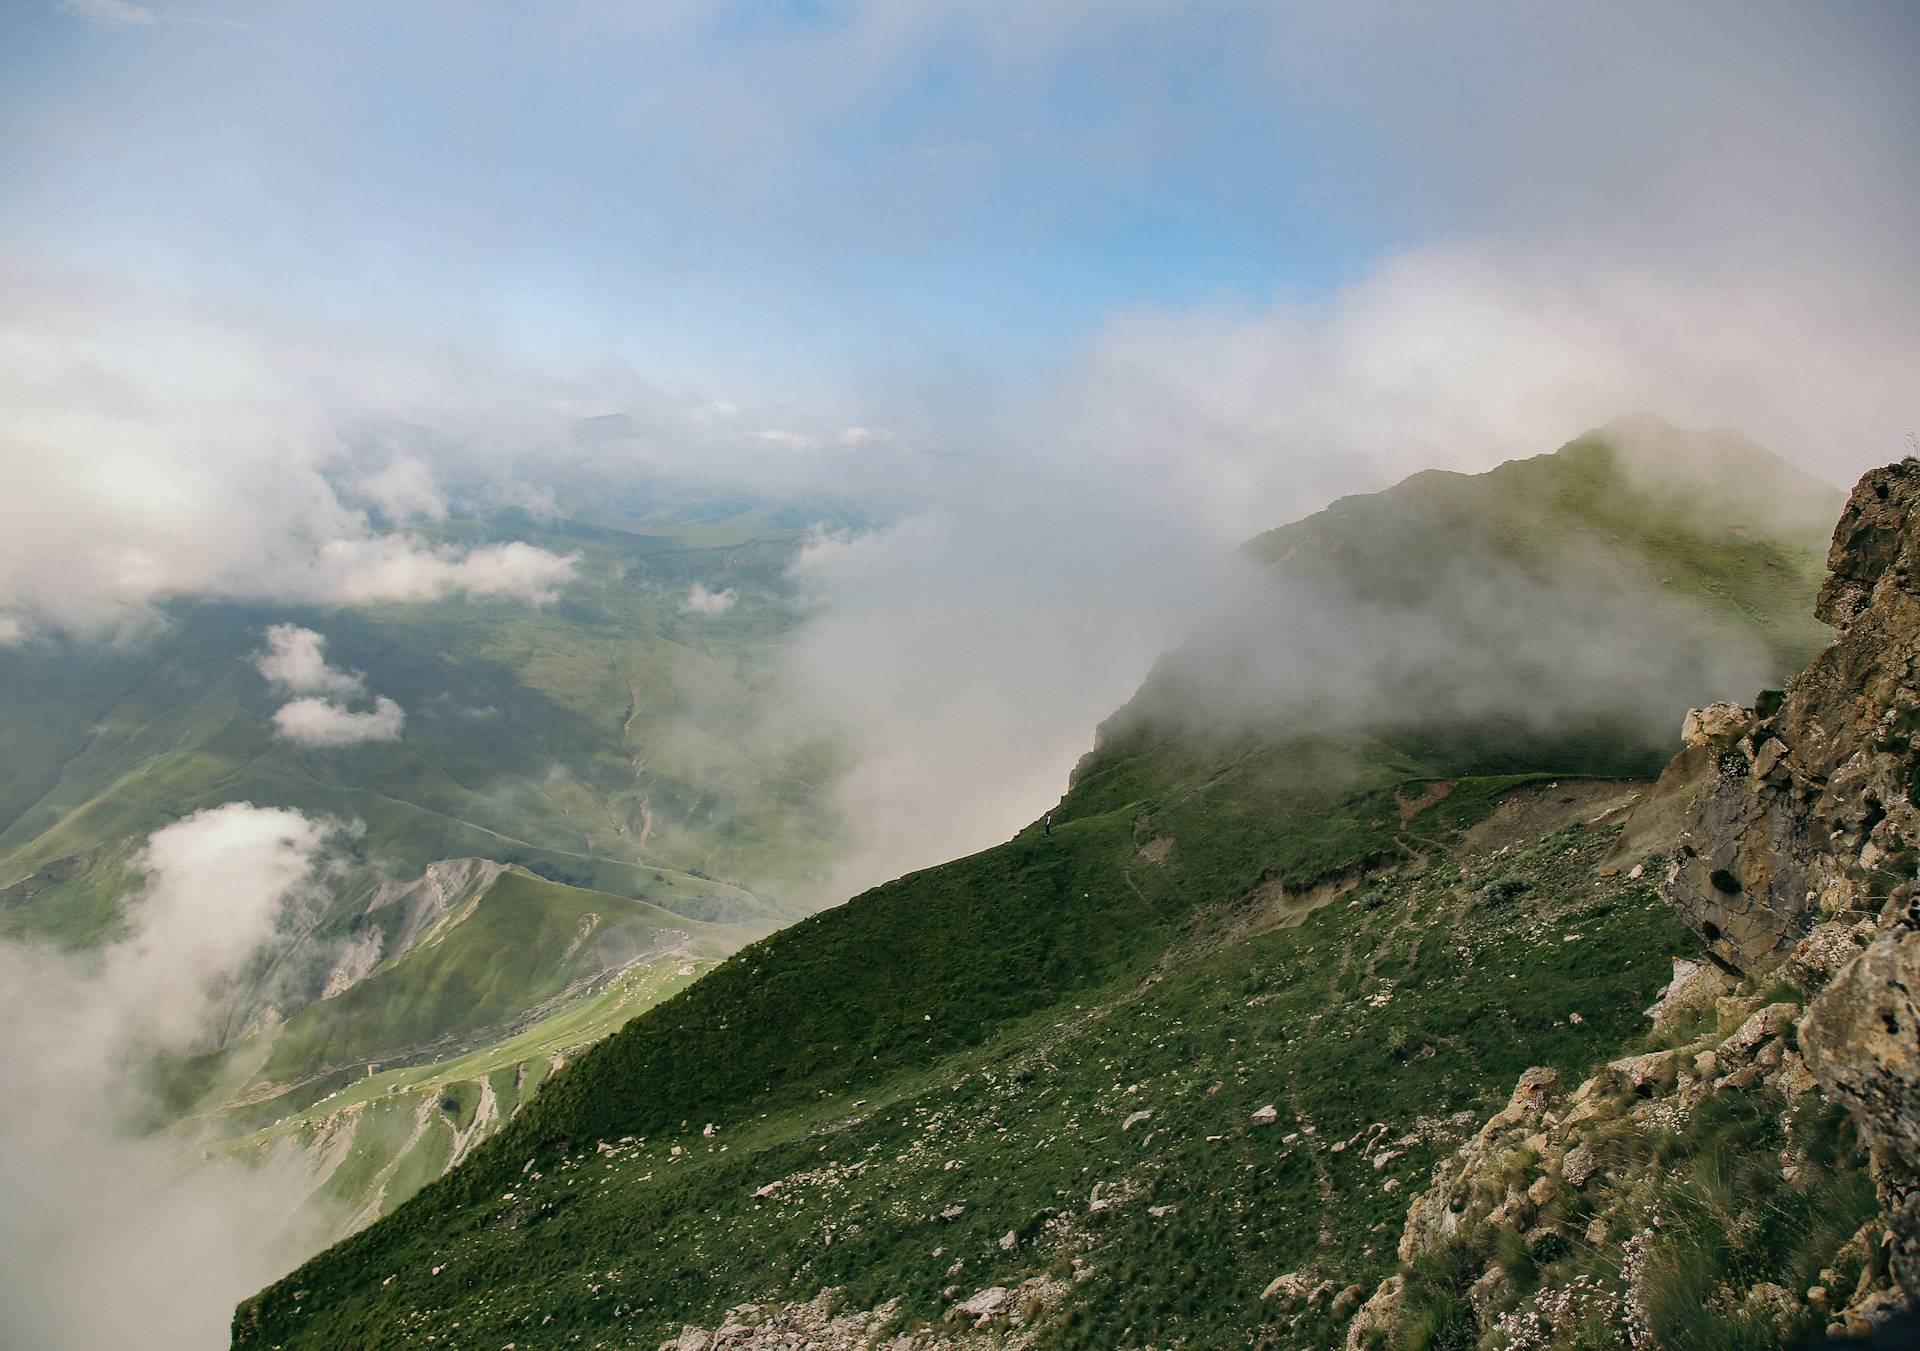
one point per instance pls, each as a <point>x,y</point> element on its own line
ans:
<point>1293,1285</point>
<point>1694,989</point>
<point>1644,1073</point>
<point>1715,722</point>
<point>1760,1026</point>
<point>1580,1164</point>
<point>1818,957</point>
<point>985,1305</point>
<point>1861,1038</point>
<point>1731,1010</point>
<point>1378,1315</point>
<point>1530,1095</point>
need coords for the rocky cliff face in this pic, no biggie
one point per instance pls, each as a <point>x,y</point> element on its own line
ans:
<point>1791,849</point>
<point>1799,846</point>
<point>1799,813</point>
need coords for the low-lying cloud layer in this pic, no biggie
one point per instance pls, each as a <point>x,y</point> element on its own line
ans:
<point>151,450</point>
<point>295,660</point>
<point>108,1238</point>
<point>318,722</point>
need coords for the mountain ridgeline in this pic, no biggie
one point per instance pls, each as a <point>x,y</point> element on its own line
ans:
<point>1378,844</point>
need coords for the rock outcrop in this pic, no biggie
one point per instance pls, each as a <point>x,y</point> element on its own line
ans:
<point>1795,812</point>
<point>1862,1039</point>
<point>1807,817</point>
<point>1793,845</point>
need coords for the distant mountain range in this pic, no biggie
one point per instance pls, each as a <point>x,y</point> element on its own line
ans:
<point>550,818</point>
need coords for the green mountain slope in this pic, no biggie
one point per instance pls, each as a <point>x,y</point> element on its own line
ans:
<point>1041,1071</point>
<point>499,977</point>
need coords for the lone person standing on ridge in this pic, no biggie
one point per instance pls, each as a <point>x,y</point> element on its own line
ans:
<point>1047,825</point>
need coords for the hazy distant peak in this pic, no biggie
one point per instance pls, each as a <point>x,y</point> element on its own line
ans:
<point>1727,475</point>
<point>1627,473</point>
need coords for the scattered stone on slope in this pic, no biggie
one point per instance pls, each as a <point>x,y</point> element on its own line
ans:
<point>1790,826</point>
<point>1004,1318</point>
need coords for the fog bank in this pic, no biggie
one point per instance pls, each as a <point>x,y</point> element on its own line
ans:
<point>110,1237</point>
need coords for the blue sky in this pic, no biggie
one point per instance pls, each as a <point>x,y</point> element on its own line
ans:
<point>771,196</point>
<point>777,181</point>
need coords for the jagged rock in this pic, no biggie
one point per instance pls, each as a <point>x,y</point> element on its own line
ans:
<point>1378,1314</point>
<point>1862,1039</point>
<point>1758,1028</point>
<point>1643,1073</point>
<point>1292,1286</point>
<point>1774,1302</point>
<point>1529,1096</point>
<point>1580,1164</point>
<point>1430,1219</point>
<point>1820,955</point>
<point>1793,1077</point>
<point>1715,722</point>
<point>985,1305</point>
<point>1775,839</point>
<point>1732,1010</point>
<point>1515,1209</point>
<point>1694,988</point>
<point>1492,1287</point>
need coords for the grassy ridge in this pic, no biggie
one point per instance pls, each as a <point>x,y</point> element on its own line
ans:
<point>1391,1005</point>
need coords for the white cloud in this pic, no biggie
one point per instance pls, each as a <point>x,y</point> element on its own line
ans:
<point>315,722</point>
<point>219,880</point>
<point>403,487</point>
<point>86,1203</point>
<point>1458,357</point>
<point>296,660</point>
<point>117,13</point>
<point>150,450</point>
<point>793,439</point>
<point>361,571</point>
<point>701,601</point>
